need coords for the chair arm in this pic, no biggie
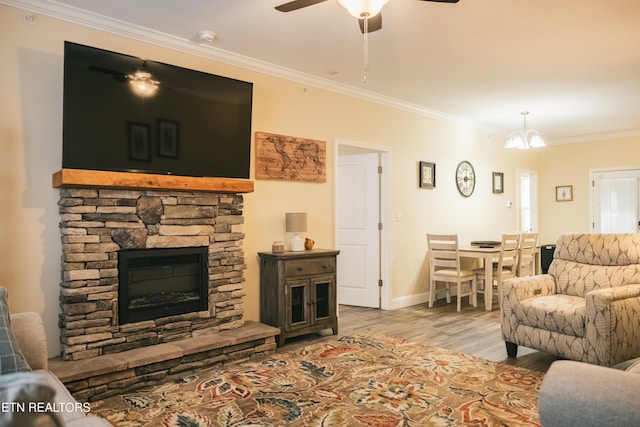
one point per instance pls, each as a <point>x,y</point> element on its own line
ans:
<point>580,394</point>
<point>518,289</point>
<point>613,324</point>
<point>521,288</point>
<point>29,332</point>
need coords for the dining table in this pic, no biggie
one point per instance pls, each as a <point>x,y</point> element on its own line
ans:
<point>487,254</point>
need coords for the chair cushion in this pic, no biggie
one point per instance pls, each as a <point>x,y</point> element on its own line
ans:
<point>11,358</point>
<point>564,314</point>
<point>599,249</point>
<point>448,274</point>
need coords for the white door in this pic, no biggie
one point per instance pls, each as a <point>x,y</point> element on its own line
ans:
<point>358,234</point>
<point>615,201</point>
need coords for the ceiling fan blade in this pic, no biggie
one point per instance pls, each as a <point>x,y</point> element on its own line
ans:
<point>116,74</point>
<point>297,4</point>
<point>444,1</point>
<point>375,23</point>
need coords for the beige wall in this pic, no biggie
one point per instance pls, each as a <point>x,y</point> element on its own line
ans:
<point>31,128</point>
<point>569,164</point>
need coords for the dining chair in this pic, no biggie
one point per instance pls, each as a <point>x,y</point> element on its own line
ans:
<point>444,266</point>
<point>507,265</point>
<point>527,254</point>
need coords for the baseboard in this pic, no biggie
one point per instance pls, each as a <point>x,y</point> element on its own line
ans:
<point>409,300</point>
<point>421,298</point>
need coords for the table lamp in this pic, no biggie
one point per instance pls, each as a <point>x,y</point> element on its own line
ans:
<point>296,222</point>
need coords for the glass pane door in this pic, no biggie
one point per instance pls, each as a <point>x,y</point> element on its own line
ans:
<point>322,300</point>
<point>324,294</point>
<point>616,201</point>
<point>297,302</point>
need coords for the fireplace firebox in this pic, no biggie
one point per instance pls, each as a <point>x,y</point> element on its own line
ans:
<point>160,282</point>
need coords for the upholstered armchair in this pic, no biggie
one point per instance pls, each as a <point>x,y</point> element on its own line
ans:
<point>586,309</point>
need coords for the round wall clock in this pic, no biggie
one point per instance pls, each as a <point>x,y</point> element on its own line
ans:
<point>465,178</point>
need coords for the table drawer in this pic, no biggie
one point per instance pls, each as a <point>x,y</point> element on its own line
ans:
<point>309,267</point>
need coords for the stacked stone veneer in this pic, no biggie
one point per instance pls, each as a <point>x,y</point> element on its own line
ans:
<point>96,223</point>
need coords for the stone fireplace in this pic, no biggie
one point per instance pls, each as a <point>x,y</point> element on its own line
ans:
<point>98,225</point>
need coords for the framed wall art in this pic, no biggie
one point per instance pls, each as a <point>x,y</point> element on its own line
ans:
<point>498,182</point>
<point>289,158</point>
<point>139,141</point>
<point>168,137</point>
<point>564,193</point>
<point>427,175</point>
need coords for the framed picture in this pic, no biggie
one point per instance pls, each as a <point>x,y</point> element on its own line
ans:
<point>138,141</point>
<point>168,138</point>
<point>498,182</point>
<point>564,193</point>
<point>427,175</point>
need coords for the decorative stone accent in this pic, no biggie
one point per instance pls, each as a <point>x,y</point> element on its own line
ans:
<point>96,223</point>
<point>115,374</point>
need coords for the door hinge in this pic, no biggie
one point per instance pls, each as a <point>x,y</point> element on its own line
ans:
<point>380,283</point>
<point>380,170</point>
<point>380,226</point>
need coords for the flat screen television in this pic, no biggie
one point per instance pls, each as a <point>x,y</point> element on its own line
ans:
<point>194,123</point>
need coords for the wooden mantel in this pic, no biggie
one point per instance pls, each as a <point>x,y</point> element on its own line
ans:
<point>127,180</point>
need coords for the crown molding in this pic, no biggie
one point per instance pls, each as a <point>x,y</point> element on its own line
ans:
<point>598,137</point>
<point>100,22</point>
<point>103,23</point>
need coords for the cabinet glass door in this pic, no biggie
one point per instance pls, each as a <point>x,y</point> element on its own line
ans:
<point>297,302</point>
<point>322,300</point>
<point>323,293</point>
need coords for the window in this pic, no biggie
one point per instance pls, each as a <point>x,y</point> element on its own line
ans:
<point>527,189</point>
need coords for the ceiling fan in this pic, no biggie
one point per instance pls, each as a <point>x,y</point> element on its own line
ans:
<point>141,80</point>
<point>366,11</point>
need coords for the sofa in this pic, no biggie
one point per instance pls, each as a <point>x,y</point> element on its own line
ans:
<point>580,394</point>
<point>30,395</point>
<point>587,308</point>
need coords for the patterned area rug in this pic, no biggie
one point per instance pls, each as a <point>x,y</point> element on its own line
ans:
<point>358,380</point>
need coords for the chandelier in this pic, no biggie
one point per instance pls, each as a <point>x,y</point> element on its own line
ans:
<point>525,138</point>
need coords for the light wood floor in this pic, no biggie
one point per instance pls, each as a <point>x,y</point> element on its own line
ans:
<point>472,331</point>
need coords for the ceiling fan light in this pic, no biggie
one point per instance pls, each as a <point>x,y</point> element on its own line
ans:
<point>142,84</point>
<point>144,89</point>
<point>363,8</point>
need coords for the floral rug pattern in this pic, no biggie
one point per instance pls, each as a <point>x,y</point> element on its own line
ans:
<point>359,380</point>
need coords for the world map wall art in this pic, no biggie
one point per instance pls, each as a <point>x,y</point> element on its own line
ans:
<point>288,158</point>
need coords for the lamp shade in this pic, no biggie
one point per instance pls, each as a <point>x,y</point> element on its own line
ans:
<point>363,8</point>
<point>296,222</point>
